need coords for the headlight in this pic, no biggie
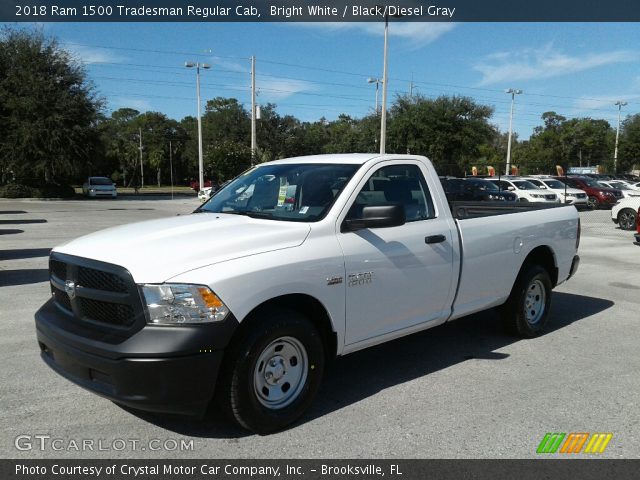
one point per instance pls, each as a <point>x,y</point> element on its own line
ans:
<point>171,304</point>
<point>91,190</point>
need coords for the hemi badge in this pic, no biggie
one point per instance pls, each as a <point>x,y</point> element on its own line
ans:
<point>334,280</point>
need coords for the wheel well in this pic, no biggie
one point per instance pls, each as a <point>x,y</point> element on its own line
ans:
<point>544,257</point>
<point>305,305</point>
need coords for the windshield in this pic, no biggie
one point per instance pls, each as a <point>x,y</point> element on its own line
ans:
<point>290,192</point>
<point>620,186</point>
<point>525,185</point>
<point>100,181</point>
<point>484,185</point>
<point>556,184</point>
<point>591,183</point>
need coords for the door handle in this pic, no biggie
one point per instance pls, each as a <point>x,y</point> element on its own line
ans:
<point>434,239</point>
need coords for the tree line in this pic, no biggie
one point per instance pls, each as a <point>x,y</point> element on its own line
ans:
<point>55,131</point>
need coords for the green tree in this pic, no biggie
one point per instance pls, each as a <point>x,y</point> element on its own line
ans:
<point>448,130</point>
<point>48,109</point>
<point>629,144</point>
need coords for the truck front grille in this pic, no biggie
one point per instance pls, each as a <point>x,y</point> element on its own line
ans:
<point>90,278</point>
<point>95,292</point>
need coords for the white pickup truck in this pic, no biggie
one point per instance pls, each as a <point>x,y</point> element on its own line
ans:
<point>293,263</point>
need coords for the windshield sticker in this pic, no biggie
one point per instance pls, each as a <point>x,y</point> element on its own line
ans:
<point>303,210</point>
<point>282,194</point>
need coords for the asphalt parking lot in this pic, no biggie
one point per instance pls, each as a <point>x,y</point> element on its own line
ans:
<point>462,390</point>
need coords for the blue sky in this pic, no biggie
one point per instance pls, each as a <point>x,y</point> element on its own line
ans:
<point>321,69</point>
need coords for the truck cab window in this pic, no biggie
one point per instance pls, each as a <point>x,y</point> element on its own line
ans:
<point>396,184</point>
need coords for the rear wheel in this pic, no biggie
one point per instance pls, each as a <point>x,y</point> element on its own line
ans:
<point>273,371</point>
<point>627,219</point>
<point>527,309</point>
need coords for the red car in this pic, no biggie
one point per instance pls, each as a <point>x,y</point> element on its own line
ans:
<point>597,196</point>
<point>195,184</point>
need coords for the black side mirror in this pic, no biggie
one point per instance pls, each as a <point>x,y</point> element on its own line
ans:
<point>377,216</point>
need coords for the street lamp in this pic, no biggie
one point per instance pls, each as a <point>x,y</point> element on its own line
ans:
<point>620,104</point>
<point>513,93</point>
<point>383,118</point>
<point>206,66</point>
<point>377,81</point>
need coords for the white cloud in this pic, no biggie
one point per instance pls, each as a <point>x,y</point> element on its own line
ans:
<point>603,102</point>
<point>419,33</point>
<point>88,55</point>
<point>273,89</point>
<point>536,64</point>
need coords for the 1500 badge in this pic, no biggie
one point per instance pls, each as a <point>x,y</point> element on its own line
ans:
<point>358,279</point>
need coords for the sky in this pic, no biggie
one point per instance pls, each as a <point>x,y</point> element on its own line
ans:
<point>314,70</point>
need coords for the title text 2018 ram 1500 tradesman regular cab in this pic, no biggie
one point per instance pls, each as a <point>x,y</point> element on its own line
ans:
<point>292,263</point>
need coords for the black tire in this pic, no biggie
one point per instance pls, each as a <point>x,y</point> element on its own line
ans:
<point>526,311</point>
<point>627,219</point>
<point>251,384</point>
<point>593,203</point>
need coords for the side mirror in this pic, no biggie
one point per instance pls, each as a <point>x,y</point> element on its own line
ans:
<point>377,216</point>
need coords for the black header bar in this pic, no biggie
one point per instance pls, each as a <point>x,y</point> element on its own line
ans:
<point>318,11</point>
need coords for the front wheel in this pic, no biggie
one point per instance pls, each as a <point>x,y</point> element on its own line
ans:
<point>627,219</point>
<point>593,202</point>
<point>273,371</point>
<point>527,309</point>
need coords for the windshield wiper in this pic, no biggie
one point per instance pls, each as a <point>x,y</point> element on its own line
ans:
<point>251,214</point>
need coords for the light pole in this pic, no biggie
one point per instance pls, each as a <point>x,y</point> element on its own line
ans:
<point>513,93</point>
<point>206,66</point>
<point>383,117</point>
<point>620,104</point>
<point>377,81</point>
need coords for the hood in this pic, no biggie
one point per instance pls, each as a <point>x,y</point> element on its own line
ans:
<point>156,250</point>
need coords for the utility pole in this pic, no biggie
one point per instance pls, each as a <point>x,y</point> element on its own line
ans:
<point>620,104</point>
<point>411,87</point>
<point>254,146</point>
<point>141,167</point>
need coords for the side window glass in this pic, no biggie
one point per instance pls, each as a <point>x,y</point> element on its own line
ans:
<point>396,184</point>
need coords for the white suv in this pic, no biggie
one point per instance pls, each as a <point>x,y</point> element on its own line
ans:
<point>573,196</point>
<point>525,190</point>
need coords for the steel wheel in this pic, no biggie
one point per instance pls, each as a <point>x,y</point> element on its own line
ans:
<point>535,302</point>
<point>526,311</point>
<point>272,370</point>
<point>280,373</point>
<point>627,219</point>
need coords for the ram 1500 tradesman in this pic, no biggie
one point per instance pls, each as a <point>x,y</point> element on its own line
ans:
<point>291,264</point>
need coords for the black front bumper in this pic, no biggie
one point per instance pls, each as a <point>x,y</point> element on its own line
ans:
<point>159,368</point>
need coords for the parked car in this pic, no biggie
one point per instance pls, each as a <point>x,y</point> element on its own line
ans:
<point>525,190</point>
<point>205,194</point>
<point>195,184</point>
<point>99,187</point>
<point>626,190</point>
<point>573,196</point>
<point>253,306</point>
<point>625,213</point>
<point>474,190</point>
<point>597,195</point>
